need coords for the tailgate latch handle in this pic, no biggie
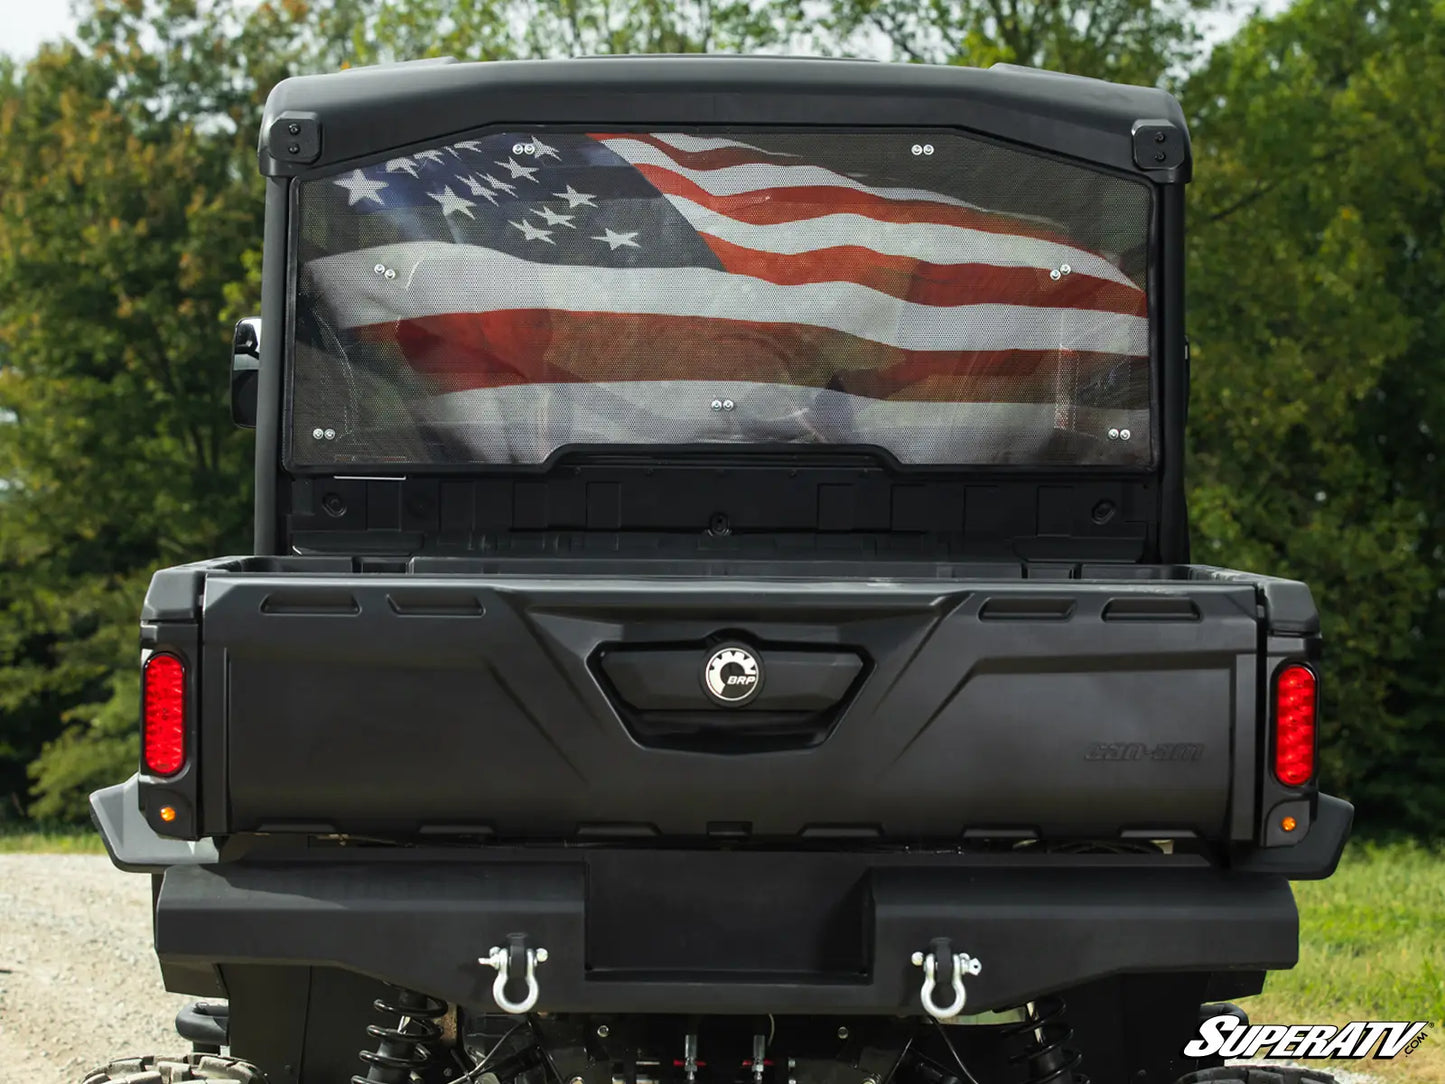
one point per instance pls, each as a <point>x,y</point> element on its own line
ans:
<point>958,963</point>
<point>505,960</point>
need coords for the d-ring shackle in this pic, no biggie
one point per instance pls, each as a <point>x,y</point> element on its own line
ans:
<point>958,963</point>
<point>501,959</point>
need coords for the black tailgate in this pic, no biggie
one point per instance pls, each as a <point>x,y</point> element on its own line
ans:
<point>401,704</point>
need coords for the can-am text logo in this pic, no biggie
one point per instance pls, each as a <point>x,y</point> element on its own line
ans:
<point>1229,1037</point>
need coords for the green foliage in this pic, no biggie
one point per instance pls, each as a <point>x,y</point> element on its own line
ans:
<point>130,227</point>
<point>1316,282</point>
<point>498,29</point>
<point>1129,41</point>
<point>118,238</point>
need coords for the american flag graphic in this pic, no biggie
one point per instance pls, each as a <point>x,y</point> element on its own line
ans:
<point>535,291</point>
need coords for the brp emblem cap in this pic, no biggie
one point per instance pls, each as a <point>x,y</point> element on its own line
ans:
<point>733,675</point>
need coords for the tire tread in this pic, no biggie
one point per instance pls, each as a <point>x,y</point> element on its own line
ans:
<point>155,1069</point>
<point>1257,1074</point>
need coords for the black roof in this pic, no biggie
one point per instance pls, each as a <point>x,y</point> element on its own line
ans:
<point>338,117</point>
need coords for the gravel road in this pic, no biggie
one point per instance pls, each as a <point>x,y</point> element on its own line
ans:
<point>79,983</point>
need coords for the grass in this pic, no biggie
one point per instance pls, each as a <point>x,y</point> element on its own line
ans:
<point>47,839</point>
<point>1372,947</point>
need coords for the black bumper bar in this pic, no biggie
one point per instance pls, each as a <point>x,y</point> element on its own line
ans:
<point>641,931</point>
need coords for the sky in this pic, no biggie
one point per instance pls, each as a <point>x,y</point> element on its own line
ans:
<point>24,24</point>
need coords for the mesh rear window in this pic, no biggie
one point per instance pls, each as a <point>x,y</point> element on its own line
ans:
<point>942,298</point>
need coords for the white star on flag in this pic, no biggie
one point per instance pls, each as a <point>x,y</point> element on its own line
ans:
<point>575,199</point>
<point>516,169</point>
<point>431,156</point>
<point>401,165</point>
<point>450,202</point>
<point>359,187</point>
<point>500,186</point>
<point>533,233</point>
<point>479,189</point>
<point>541,150</point>
<point>556,218</point>
<point>470,145</point>
<point>617,240</point>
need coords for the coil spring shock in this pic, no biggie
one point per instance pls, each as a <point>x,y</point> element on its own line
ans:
<point>401,1050</point>
<point>1046,1058</point>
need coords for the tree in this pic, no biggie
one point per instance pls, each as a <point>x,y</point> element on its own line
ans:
<point>1317,275</point>
<point>498,29</point>
<point>1129,41</point>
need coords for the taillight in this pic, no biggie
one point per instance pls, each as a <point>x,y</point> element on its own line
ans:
<point>1296,698</point>
<point>163,709</point>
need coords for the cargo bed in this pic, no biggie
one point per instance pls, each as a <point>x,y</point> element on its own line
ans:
<point>902,703</point>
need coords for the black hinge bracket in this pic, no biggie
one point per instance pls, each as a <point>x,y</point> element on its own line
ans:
<point>294,137</point>
<point>1158,144</point>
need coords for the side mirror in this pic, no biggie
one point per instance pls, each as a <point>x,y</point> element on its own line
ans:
<point>245,371</point>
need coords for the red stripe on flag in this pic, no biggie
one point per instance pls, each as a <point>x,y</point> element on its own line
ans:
<point>926,283</point>
<point>463,351</point>
<point>774,206</point>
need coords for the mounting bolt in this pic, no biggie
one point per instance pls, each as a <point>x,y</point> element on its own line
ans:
<point>917,959</point>
<point>843,1034</point>
<point>318,434</point>
<point>728,404</point>
<point>1055,275</point>
<point>391,272</point>
<point>293,128</point>
<point>575,1080</point>
<point>717,404</point>
<point>380,269</point>
<point>1124,434</point>
<point>1065,269</point>
<point>603,1031</point>
<point>293,148</point>
<point>330,434</point>
<point>1114,434</point>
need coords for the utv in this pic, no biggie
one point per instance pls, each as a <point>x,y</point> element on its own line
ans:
<point>720,610</point>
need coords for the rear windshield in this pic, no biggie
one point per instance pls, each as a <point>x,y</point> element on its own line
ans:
<point>500,298</point>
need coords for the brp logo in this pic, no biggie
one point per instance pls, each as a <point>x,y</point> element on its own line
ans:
<point>733,675</point>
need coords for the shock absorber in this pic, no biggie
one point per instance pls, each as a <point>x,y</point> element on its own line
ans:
<point>403,1049</point>
<point>1045,1057</point>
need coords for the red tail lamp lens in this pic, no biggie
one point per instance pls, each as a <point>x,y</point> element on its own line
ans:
<point>1295,704</point>
<point>163,707</point>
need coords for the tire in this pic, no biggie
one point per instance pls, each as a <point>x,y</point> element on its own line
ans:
<point>1257,1074</point>
<point>185,1067</point>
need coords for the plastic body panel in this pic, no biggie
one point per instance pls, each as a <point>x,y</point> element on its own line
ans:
<point>467,702</point>
<point>365,111</point>
<point>385,706</point>
<point>834,932</point>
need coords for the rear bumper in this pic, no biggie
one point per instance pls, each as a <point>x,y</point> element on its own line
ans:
<point>638,930</point>
<point>828,935</point>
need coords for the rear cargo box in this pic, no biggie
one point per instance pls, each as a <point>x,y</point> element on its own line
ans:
<point>902,709</point>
